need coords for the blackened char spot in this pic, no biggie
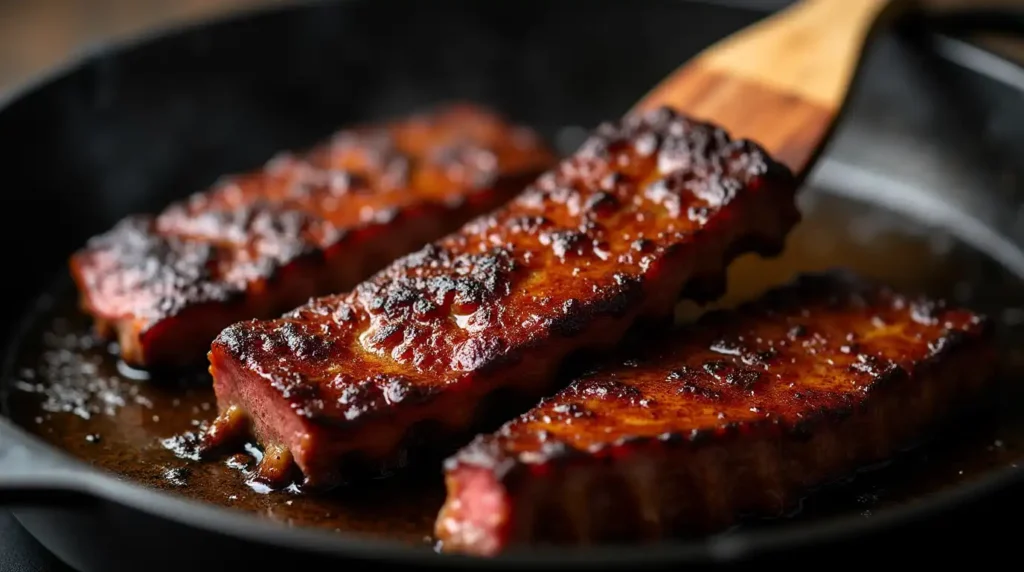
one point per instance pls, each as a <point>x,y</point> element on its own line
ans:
<point>743,378</point>
<point>476,353</point>
<point>563,242</point>
<point>606,388</point>
<point>699,390</point>
<point>693,381</point>
<point>572,321</point>
<point>761,358</point>
<point>356,398</point>
<point>437,275</point>
<point>302,344</point>
<point>716,367</point>
<point>385,332</point>
<point>615,301</point>
<point>135,257</point>
<point>601,204</point>
<point>238,339</point>
<point>399,389</point>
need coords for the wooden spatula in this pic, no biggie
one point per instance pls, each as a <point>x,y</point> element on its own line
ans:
<point>782,82</point>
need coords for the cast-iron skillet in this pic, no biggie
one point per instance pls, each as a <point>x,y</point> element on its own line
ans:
<point>920,160</point>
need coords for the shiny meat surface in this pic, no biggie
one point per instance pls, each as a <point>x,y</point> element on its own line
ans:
<point>261,243</point>
<point>649,208</point>
<point>740,412</point>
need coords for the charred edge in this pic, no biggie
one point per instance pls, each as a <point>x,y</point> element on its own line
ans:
<point>238,341</point>
<point>890,374</point>
<point>954,340</point>
<point>802,430</point>
<point>305,258</point>
<point>136,243</point>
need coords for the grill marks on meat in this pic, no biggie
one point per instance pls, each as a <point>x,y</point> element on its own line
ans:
<point>261,243</point>
<point>649,208</point>
<point>742,412</point>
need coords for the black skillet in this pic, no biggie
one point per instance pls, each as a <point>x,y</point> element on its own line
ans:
<point>919,166</point>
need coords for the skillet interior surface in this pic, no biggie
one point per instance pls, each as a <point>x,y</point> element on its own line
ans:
<point>134,129</point>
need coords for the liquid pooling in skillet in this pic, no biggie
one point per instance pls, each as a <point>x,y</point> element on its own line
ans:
<point>70,390</point>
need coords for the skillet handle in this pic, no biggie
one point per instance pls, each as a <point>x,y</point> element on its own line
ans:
<point>30,476</point>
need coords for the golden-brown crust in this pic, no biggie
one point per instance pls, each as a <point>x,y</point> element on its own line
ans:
<point>612,234</point>
<point>791,366</point>
<point>736,372</point>
<point>328,218</point>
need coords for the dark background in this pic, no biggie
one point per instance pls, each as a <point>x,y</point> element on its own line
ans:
<point>37,35</point>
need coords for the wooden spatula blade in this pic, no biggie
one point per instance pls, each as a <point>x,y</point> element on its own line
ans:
<point>782,82</point>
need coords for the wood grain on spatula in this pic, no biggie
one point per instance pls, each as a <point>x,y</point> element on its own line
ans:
<point>783,81</point>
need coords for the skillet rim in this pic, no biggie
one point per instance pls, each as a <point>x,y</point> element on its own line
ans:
<point>77,477</point>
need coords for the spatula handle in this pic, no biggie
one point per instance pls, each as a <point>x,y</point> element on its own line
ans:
<point>782,81</point>
<point>810,50</point>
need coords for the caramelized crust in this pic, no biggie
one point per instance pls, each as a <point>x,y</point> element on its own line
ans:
<point>743,411</point>
<point>613,234</point>
<point>261,243</point>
